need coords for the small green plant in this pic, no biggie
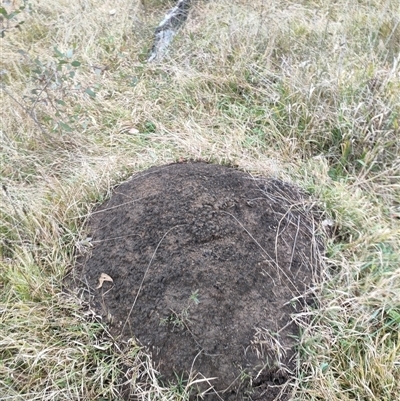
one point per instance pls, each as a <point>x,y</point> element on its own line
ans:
<point>10,17</point>
<point>180,386</point>
<point>195,297</point>
<point>56,84</point>
<point>175,319</point>
<point>54,102</point>
<point>181,319</point>
<point>245,377</point>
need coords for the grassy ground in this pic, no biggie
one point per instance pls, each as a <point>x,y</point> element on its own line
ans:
<point>306,91</point>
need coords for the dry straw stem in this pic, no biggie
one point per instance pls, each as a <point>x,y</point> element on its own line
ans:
<point>303,91</point>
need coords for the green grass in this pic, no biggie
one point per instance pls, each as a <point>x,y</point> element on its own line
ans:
<point>307,92</point>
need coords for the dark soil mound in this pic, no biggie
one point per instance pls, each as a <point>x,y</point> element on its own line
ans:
<point>205,261</point>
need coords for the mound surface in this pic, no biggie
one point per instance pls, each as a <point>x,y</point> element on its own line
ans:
<point>205,261</point>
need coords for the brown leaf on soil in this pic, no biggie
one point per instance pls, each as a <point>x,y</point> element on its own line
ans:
<point>104,277</point>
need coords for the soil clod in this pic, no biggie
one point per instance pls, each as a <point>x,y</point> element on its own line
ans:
<point>206,263</point>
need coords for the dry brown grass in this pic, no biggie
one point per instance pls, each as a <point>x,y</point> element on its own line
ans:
<point>308,92</point>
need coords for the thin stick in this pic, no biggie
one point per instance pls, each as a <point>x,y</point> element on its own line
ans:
<point>145,273</point>
<point>106,210</point>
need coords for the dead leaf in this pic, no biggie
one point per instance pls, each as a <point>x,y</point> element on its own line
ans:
<point>104,277</point>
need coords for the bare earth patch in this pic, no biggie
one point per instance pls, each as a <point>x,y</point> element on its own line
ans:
<point>206,262</point>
